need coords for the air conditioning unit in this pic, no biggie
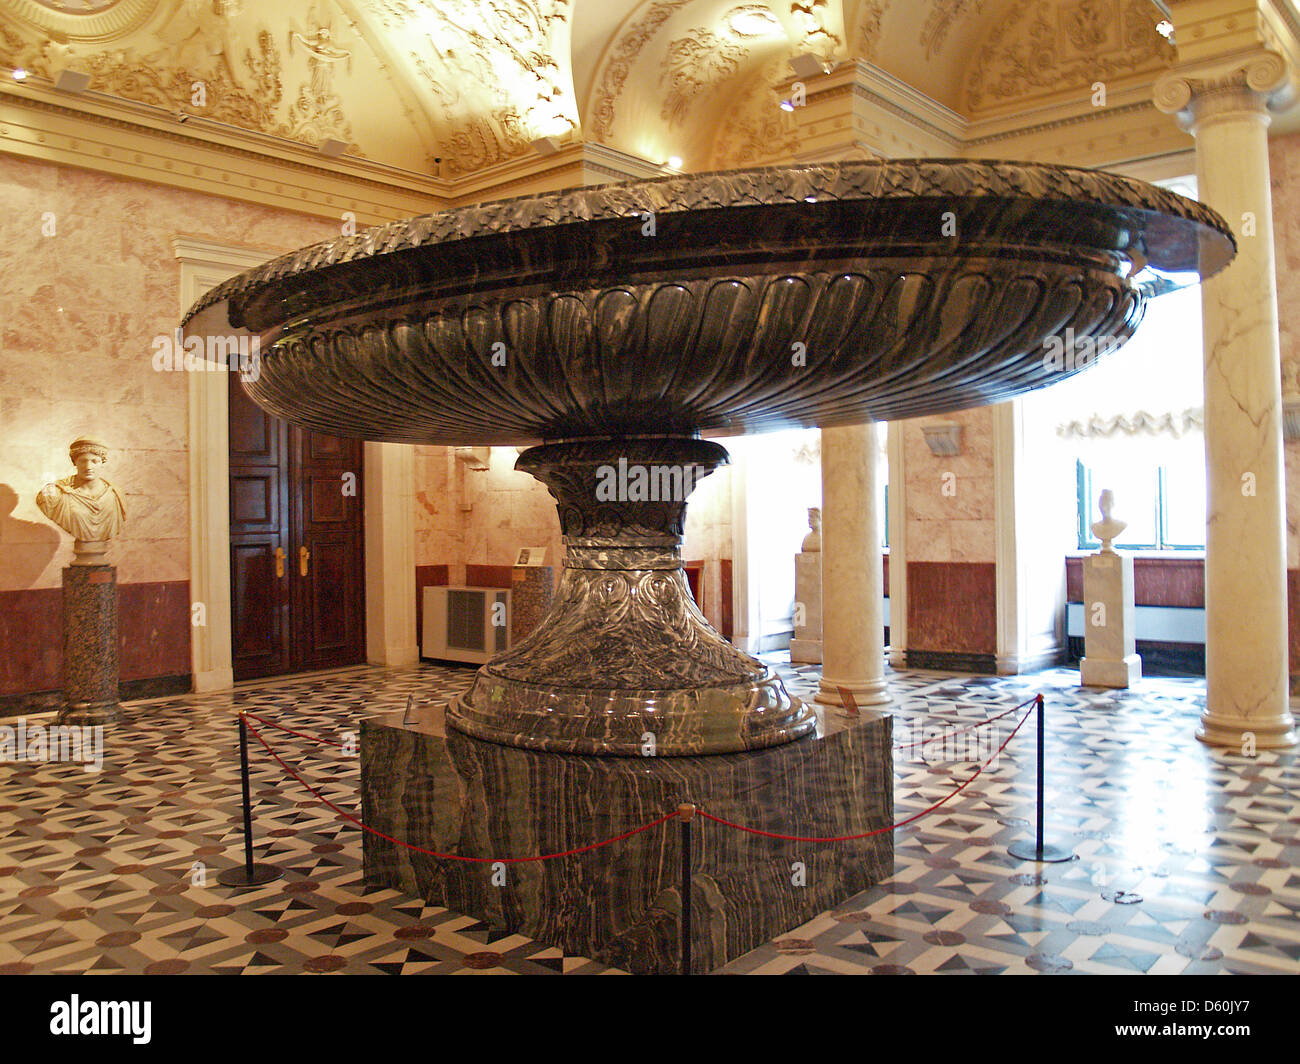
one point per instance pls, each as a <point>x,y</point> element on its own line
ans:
<point>470,624</point>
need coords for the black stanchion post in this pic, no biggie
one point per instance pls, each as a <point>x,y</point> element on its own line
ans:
<point>250,874</point>
<point>1040,851</point>
<point>686,812</point>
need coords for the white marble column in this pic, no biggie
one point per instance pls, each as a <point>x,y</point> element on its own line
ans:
<point>1245,555</point>
<point>853,640</point>
<point>390,554</point>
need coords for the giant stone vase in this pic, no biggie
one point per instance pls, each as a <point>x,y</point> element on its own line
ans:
<point>763,299</point>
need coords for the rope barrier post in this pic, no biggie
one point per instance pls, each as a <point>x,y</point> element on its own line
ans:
<point>1040,851</point>
<point>249,874</point>
<point>686,813</point>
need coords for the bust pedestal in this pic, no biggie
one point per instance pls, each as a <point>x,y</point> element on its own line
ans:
<point>806,646</point>
<point>90,644</point>
<point>1109,622</point>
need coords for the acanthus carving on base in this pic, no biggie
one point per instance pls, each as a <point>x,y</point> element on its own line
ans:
<point>625,662</point>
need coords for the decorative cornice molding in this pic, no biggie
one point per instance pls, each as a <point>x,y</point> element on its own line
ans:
<point>200,252</point>
<point>115,112</point>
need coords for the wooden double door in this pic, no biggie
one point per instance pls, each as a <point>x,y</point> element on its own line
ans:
<point>297,558</point>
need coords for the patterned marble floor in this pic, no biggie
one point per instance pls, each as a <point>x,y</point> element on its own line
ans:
<point>1188,858</point>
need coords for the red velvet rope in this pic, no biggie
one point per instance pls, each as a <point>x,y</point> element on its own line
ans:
<point>450,856</point>
<point>635,831</point>
<point>966,728</point>
<point>878,831</point>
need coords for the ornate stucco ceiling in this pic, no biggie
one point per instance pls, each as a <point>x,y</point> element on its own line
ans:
<point>451,87</point>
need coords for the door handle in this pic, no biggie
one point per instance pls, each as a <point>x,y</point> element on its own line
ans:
<point>279,562</point>
<point>304,555</point>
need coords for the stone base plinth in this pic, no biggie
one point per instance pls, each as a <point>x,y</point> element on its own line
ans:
<point>1109,622</point>
<point>806,646</point>
<point>806,651</point>
<point>90,645</point>
<point>621,904</point>
<point>1109,672</point>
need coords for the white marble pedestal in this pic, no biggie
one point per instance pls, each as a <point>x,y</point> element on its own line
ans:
<point>806,646</point>
<point>1109,622</point>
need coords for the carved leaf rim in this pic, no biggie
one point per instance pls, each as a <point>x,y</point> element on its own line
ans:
<point>717,190</point>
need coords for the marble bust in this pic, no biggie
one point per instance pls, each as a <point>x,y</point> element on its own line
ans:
<point>1108,528</point>
<point>85,505</point>
<point>812,543</point>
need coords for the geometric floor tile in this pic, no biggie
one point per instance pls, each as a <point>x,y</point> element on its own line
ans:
<point>1187,858</point>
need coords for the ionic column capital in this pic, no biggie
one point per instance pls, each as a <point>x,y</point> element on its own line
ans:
<point>1244,87</point>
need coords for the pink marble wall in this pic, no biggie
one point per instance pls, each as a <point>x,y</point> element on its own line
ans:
<point>1284,165</point>
<point>956,527</point>
<point>709,537</point>
<point>439,535</point>
<point>467,516</point>
<point>78,313</point>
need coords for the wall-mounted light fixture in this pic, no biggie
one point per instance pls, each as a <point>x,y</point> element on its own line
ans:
<point>943,438</point>
<point>71,80</point>
<point>808,65</point>
<point>545,145</point>
<point>332,148</point>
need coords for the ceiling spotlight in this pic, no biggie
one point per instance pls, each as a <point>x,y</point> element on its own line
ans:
<point>752,20</point>
<point>545,145</point>
<point>20,74</point>
<point>1165,27</point>
<point>787,105</point>
<point>332,148</point>
<point>674,162</point>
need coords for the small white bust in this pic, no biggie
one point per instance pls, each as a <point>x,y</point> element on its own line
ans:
<point>1108,528</point>
<point>812,543</point>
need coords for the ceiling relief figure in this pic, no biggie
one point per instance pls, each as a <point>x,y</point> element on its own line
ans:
<point>489,71</point>
<point>317,114</point>
<point>810,16</point>
<point>1068,47</point>
<point>757,133</point>
<point>619,65</point>
<point>695,64</point>
<point>866,34</point>
<point>943,14</point>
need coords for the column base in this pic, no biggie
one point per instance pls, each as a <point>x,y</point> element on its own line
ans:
<point>90,713</point>
<point>1110,672</point>
<point>863,692</point>
<point>1231,732</point>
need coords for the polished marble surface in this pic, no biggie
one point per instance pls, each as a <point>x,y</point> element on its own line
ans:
<point>446,792</point>
<point>914,286</point>
<point>95,871</point>
<point>617,323</point>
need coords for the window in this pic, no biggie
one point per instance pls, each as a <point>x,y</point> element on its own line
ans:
<point>1164,504</point>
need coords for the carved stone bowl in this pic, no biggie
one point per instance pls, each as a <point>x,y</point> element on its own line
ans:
<point>620,322</point>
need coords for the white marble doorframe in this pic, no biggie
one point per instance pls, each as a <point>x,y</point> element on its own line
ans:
<point>389,479</point>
